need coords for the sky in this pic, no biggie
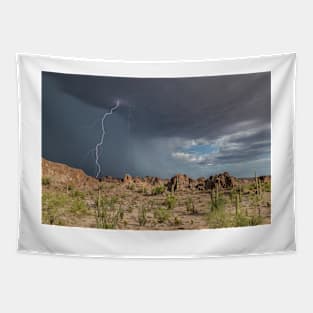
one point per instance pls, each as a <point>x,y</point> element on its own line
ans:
<point>197,126</point>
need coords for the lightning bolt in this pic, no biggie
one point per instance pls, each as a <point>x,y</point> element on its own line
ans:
<point>100,143</point>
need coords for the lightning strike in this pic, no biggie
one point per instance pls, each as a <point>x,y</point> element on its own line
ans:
<point>100,143</point>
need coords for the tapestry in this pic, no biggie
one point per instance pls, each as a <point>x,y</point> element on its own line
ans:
<point>163,159</point>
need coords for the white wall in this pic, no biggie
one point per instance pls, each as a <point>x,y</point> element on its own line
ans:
<point>139,30</point>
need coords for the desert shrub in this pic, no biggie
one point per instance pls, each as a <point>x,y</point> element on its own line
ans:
<point>78,206</point>
<point>53,205</point>
<point>142,216</point>
<point>57,200</point>
<point>241,220</point>
<point>108,213</point>
<point>170,201</point>
<point>190,206</point>
<point>77,194</point>
<point>45,181</point>
<point>161,214</point>
<point>158,190</point>
<point>218,219</point>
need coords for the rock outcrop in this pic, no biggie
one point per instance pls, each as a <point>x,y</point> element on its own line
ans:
<point>179,182</point>
<point>200,183</point>
<point>62,174</point>
<point>223,180</point>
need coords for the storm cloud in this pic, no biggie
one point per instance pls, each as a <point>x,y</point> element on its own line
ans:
<point>195,125</point>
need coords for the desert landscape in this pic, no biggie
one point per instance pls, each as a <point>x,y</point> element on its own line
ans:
<point>156,153</point>
<point>72,198</point>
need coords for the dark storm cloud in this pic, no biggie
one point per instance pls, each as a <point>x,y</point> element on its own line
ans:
<point>157,117</point>
<point>209,104</point>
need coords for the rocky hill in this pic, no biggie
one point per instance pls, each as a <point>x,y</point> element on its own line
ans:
<point>65,175</point>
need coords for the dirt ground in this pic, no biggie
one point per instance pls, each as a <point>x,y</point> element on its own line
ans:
<point>114,205</point>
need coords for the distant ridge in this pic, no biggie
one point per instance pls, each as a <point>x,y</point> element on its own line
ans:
<point>64,174</point>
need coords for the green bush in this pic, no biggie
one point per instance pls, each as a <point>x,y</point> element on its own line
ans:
<point>108,213</point>
<point>161,214</point>
<point>53,205</point>
<point>78,206</point>
<point>158,190</point>
<point>170,201</point>
<point>241,220</point>
<point>218,219</point>
<point>54,200</point>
